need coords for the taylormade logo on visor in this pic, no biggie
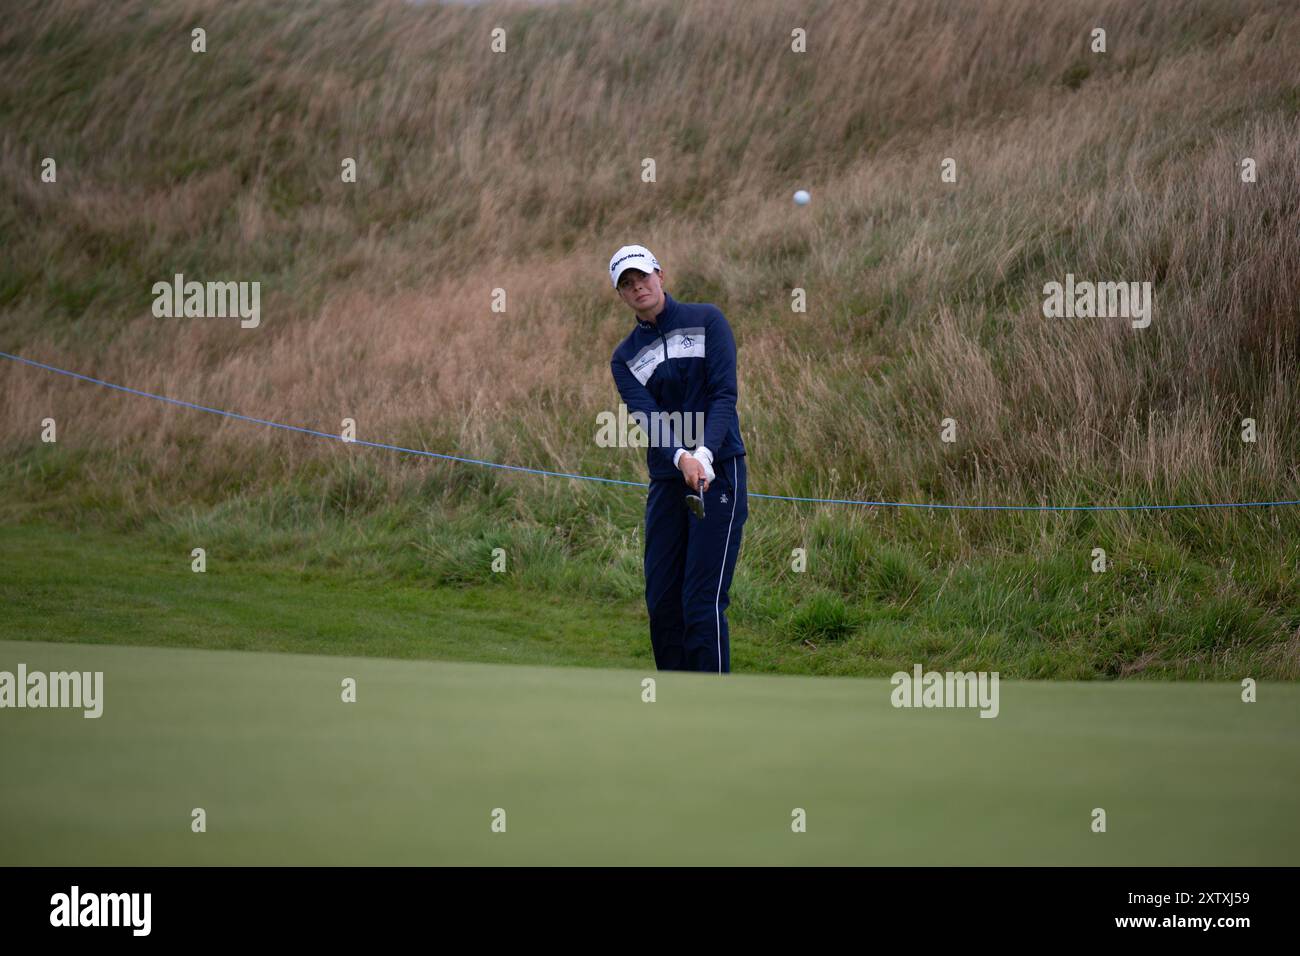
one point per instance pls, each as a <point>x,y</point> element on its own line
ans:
<point>640,258</point>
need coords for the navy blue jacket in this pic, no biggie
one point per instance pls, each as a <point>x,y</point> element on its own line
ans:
<point>684,362</point>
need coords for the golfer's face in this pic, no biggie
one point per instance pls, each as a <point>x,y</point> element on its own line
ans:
<point>641,292</point>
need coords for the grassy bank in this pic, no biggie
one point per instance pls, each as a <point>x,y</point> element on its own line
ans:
<point>521,171</point>
<point>285,574</point>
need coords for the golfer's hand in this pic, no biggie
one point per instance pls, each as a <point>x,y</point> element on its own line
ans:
<point>693,473</point>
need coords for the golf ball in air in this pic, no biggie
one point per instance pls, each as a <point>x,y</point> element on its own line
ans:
<point>802,198</point>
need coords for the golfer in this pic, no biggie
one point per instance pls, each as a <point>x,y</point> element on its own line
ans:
<point>681,357</point>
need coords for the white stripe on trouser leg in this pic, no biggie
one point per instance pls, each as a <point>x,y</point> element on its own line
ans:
<point>717,614</point>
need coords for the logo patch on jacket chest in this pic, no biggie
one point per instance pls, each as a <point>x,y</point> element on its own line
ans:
<point>681,343</point>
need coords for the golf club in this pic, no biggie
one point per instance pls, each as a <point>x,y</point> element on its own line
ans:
<point>696,501</point>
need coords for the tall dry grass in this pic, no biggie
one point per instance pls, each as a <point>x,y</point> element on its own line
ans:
<point>520,171</point>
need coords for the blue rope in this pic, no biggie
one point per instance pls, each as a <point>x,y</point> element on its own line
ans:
<point>635,484</point>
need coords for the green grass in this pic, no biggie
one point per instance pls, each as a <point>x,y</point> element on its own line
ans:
<point>923,303</point>
<point>408,581</point>
<point>102,588</point>
<point>587,773</point>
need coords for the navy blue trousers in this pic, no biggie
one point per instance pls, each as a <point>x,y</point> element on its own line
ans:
<point>688,566</point>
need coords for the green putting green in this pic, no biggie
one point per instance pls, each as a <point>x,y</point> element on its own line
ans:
<point>586,772</point>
